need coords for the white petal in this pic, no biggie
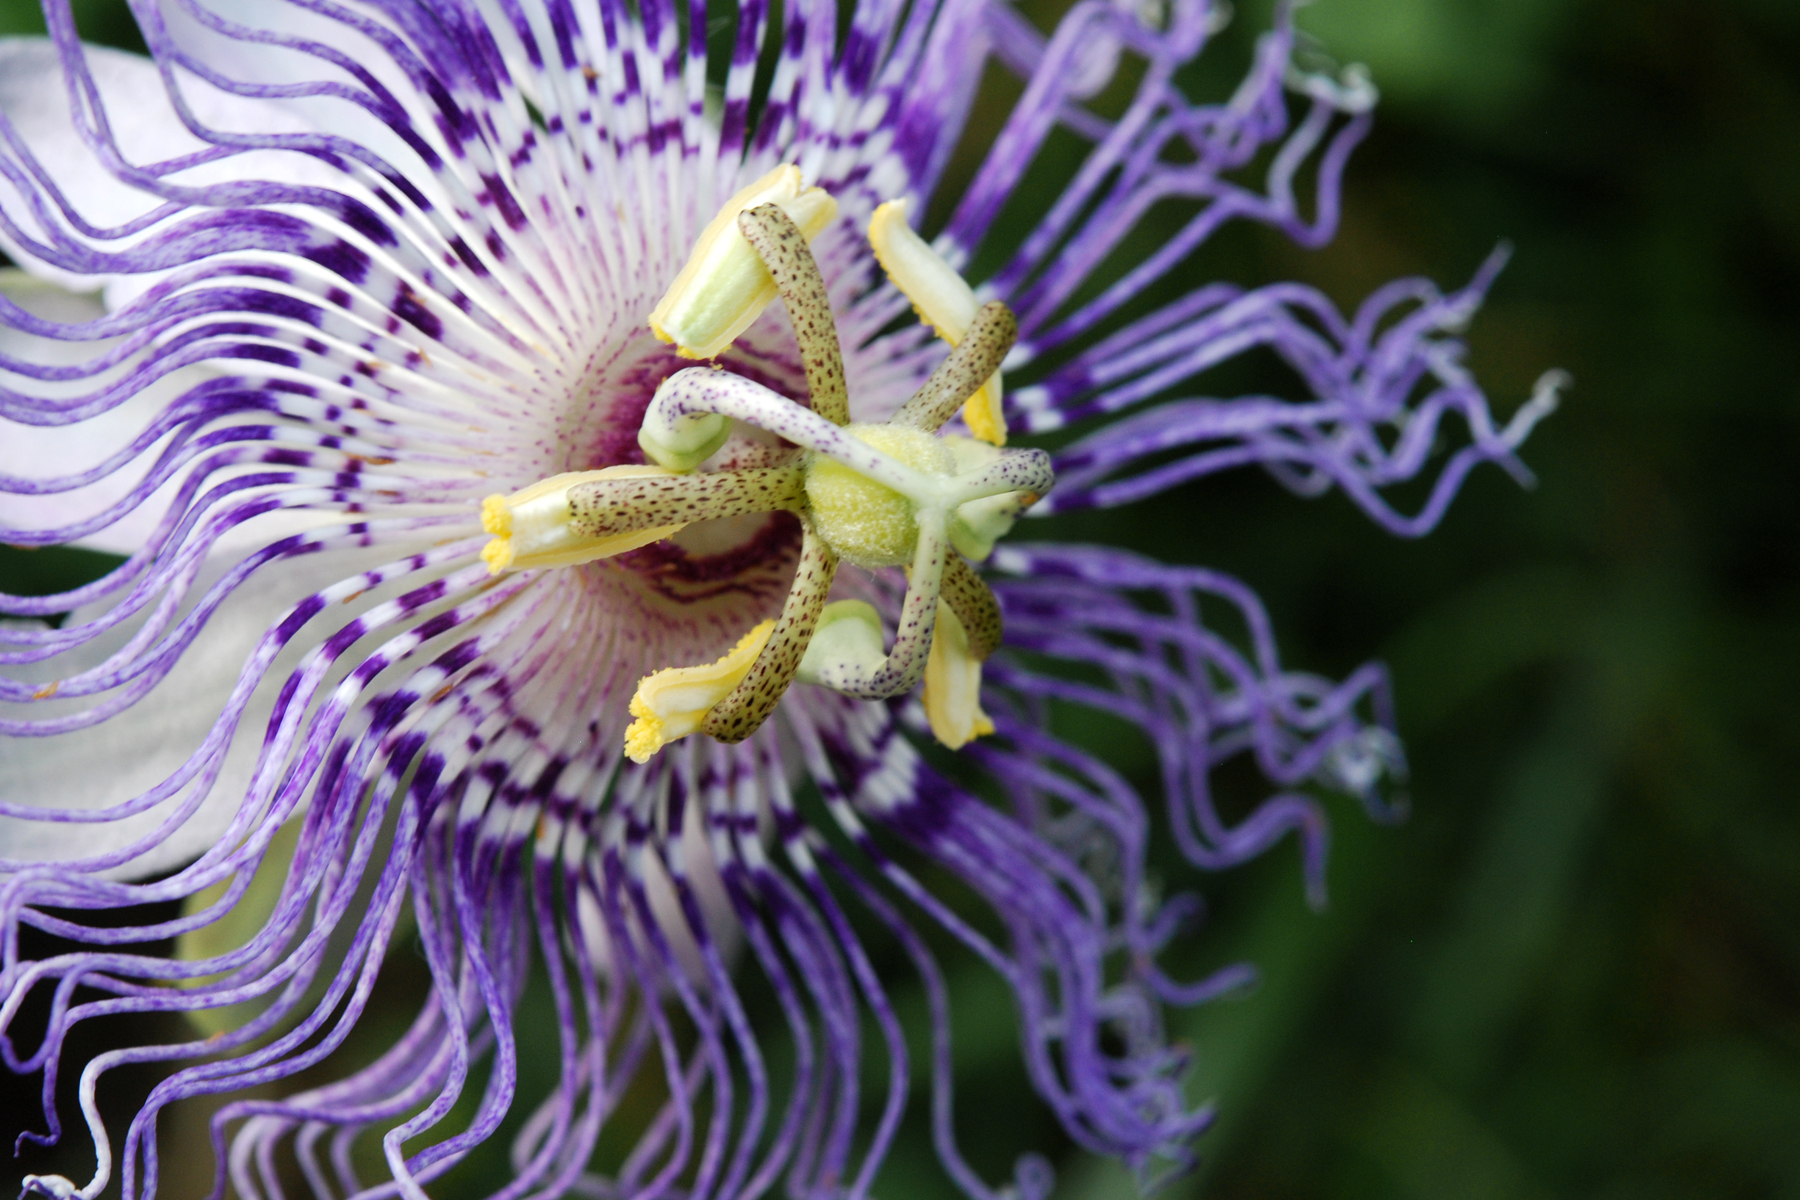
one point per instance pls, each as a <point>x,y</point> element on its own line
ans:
<point>44,452</point>
<point>127,755</point>
<point>49,451</point>
<point>35,98</point>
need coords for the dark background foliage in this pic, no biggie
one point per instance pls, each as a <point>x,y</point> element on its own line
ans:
<point>1576,969</point>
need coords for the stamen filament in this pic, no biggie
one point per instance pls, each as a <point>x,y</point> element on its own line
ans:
<point>742,713</point>
<point>782,246</point>
<point>973,360</point>
<point>967,595</point>
<point>609,507</point>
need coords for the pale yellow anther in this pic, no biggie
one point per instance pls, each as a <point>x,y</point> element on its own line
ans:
<point>673,703</point>
<point>942,298</point>
<point>725,286</point>
<point>533,527</point>
<point>952,693</point>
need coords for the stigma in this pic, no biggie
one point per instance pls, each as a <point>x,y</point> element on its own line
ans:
<point>899,493</point>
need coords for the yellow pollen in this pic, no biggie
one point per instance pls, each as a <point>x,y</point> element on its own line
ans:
<point>673,702</point>
<point>498,555</point>
<point>495,517</point>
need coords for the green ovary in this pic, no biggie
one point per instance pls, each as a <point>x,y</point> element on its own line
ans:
<point>867,522</point>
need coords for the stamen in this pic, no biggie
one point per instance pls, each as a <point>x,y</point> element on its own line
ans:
<point>943,300</point>
<point>952,695</point>
<point>782,247</point>
<point>974,360</point>
<point>724,287</point>
<point>742,713</point>
<point>673,703</point>
<point>533,526</point>
<point>977,611</point>
<point>610,507</point>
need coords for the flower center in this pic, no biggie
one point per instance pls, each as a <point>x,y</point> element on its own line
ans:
<point>876,495</point>
<point>863,519</point>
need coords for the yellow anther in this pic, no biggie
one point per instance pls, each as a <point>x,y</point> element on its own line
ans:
<point>496,519</point>
<point>725,286</point>
<point>862,520</point>
<point>953,685</point>
<point>532,527</point>
<point>673,703</point>
<point>943,300</point>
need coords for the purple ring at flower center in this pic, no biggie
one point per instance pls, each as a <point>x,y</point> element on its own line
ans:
<point>750,556</point>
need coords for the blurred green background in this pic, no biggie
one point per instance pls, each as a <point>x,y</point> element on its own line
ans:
<point>1575,971</point>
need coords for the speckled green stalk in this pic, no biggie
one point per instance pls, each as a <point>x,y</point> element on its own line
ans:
<point>973,604</point>
<point>607,507</point>
<point>958,377</point>
<point>774,236</point>
<point>742,712</point>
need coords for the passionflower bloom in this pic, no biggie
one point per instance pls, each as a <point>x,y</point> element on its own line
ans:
<point>551,542</point>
